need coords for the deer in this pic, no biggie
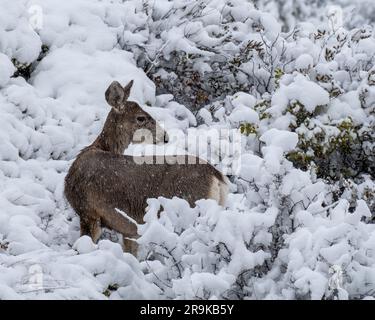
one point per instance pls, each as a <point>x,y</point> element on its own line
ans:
<point>102,183</point>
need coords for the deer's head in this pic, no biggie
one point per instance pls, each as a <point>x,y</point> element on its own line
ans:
<point>127,122</point>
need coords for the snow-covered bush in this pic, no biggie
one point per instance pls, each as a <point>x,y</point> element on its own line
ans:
<point>314,81</point>
<point>296,80</point>
<point>208,252</point>
<point>203,50</point>
<point>291,13</point>
<point>202,61</point>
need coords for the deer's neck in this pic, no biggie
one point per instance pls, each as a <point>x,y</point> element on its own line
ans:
<point>113,137</point>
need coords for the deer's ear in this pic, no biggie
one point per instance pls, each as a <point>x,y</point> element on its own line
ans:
<point>115,94</point>
<point>127,89</point>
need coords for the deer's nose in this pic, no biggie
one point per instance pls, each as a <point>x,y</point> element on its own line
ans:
<point>166,138</point>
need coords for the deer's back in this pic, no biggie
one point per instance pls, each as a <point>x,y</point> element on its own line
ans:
<point>100,181</point>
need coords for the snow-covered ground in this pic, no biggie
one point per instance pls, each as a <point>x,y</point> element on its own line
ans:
<point>282,235</point>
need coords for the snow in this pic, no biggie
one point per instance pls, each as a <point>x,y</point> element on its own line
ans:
<point>243,114</point>
<point>243,104</point>
<point>303,90</point>
<point>341,110</point>
<point>284,233</point>
<point>304,62</point>
<point>7,69</point>
<point>282,139</point>
<point>84,245</point>
<point>250,166</point>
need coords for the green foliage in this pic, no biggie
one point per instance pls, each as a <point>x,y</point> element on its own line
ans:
<point>335,151</point>
<point>278,74</point>
<point>112,287</point>
<point>24,70</point>
<point>248,128</point>
<point>299,112</point>
<point>261,107</point>
<point>371,78</point>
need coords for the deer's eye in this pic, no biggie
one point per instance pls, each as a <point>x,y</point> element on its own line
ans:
<point>141,119</point>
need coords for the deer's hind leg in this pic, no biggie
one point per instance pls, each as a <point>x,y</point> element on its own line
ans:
<point>91,227</point>
<point>116,221</point>
<point>130,246</point>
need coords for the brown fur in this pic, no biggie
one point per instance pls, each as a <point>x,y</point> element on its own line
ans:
<point>102,178</point>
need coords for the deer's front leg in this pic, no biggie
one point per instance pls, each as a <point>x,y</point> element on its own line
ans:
<point>91,227</point>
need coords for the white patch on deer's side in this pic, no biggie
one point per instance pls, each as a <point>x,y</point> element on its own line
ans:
<point>214,192</point>
<point>219,190</point>
<point>224,191</point>
<point>126,216</point>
